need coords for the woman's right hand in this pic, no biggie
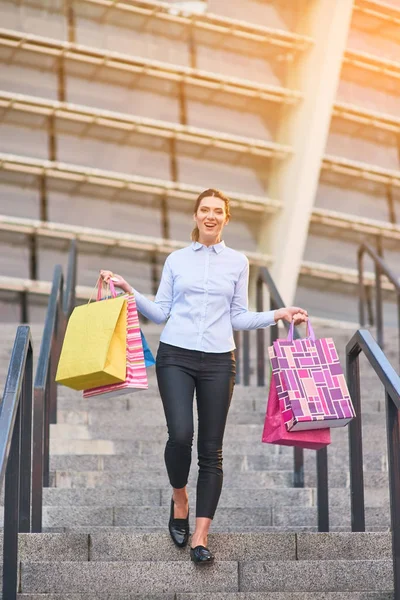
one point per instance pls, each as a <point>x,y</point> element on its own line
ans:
<point>117,280</point>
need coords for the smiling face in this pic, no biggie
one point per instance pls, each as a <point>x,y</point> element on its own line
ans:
<point>210,219</point>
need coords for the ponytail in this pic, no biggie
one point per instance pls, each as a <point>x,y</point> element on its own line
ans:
<point>195,234</point>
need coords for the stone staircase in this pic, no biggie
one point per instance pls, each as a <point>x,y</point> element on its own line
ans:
<point>105,516</point>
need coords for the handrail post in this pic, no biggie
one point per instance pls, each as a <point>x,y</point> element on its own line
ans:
<point>15,423</point>
<point>379,306</point>
<point>246,357</point>
<point>37,460</point>
<point>26,446</point>
<point>398,325</point>
<point>322,489</point>
<point>70,283</point>
<point>236,336</point>
<point>11,513</point>
<point>46,438</point>
<point>273,330</point>
<point>355,444</point>
<point>298,453</point>
<point>298,467</point>
<point>24,311</point>
<point>361,288</point>
<point>260,337</point>
<point>393,440</point>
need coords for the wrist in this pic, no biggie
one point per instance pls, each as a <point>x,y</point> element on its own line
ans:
<point>126,288</point>
<point>277,315</point>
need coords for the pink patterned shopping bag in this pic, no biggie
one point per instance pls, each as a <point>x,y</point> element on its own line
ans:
<point>310,383</point>
<point>136,374</point>
<point>275,431</point>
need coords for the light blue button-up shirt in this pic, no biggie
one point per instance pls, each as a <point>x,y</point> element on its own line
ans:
<point>203,293</point>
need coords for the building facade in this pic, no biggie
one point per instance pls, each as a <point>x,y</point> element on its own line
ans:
<point>115,114</point>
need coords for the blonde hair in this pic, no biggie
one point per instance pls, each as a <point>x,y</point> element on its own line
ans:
<point>205,194</point>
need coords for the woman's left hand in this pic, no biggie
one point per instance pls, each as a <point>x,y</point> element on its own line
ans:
<point>291,313</point>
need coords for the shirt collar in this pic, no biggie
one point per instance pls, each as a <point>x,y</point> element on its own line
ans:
<point>217,247</point>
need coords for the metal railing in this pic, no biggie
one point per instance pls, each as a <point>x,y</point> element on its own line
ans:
<point>264,279</point>
<point>362,341</point>
<point>26,412</point>
<point>365,302</point>
<point>15,455</point>
<point>60,305</point>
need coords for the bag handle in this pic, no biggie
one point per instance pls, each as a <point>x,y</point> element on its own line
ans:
<point>309,333</point>
<point>110,289</point>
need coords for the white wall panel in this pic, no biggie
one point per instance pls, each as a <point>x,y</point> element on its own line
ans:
<point>130,40</point>
<point>239,64</point>
<point>328,250</point>
<point>383,46</point>
<point>138,274</point>
<point>380,98</point>
<point>240,233</point>
<point>25,80</point>
<point>23,141</point>
<point>379,149</point>
<point>30,19</point>
<point>219,175</point>
<point>259,124</point>
<point>254,11</point>
<point>87,211</point>
<point>144,103</point>
<point>19,202</point>
<point>113,157</point>
<point>353,201</point>
<point>14,258</point>
<point>181,220</point>
<point>332,305</point>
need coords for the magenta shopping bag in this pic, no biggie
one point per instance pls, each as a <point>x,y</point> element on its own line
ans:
<point>310,382</point>
<point>275,431</point>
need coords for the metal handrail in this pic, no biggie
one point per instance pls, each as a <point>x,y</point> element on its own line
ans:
<point>15,455</point>
<point>265,279</point>
<point>45,389</point>
<point>70,281</point>
<point>362,341</point>
<point>276,301</point>
<point>45,396</point>
<point>381,268</point>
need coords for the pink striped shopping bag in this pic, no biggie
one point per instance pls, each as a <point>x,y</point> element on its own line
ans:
<point>136,374</point>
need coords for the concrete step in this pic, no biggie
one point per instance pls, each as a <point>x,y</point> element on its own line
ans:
<point>129,430</point>
<point>224,576</point>
<point>232,462</point>
<point>218,596</point>
<point>59,446</point>
<point>216,529</point>
<point>116,545</point>
<point>230,497</point>
<point>151,516</point>
<point>231,447</point>
<point>155,516</point>
<point>154,415</point>
<point>240,403</point>
<point>157,478</point>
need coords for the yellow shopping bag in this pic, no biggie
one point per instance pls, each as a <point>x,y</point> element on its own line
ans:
<point>94,349</point>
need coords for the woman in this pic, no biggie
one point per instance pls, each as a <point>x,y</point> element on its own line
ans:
<point>203,294</point>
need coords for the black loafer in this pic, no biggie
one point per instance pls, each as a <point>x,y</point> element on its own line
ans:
<point>201,556</point>
<point>178,528</point>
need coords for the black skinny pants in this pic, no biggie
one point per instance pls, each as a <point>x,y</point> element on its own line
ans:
<point>179,373</point>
